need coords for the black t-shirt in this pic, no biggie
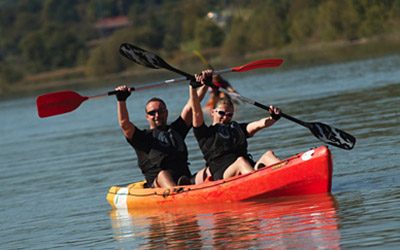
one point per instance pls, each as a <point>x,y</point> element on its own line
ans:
<point>142,140</point>
<point>221,145</point>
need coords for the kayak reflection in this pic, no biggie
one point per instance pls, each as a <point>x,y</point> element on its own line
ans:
<point>300,222</point>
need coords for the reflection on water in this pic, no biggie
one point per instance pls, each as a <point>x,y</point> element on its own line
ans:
<point>296,223</point>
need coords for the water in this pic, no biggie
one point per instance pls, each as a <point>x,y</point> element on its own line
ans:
<point>55,172</point>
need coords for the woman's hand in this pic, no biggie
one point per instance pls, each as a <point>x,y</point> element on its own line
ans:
<point>275,112</point>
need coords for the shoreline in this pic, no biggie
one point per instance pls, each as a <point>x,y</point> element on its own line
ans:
<point>293,56</point>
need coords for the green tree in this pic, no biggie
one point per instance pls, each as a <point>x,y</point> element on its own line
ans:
<point>33,52</point>
<point>394,13</point>
<point>60,10</point>
<point>267,26</point>
<point>301,28</point>
<point>26,22</point>
<point>105,59</point>
<point>375,19</point>
<point>52,47</point>
<point>209,34</point>
<point>10,71</point>
<point>62,46</point>
<point>329,20</point>
<point>192,11</point>
<point>8,35</point>
<point>109,8</point>
<point>172,29</point>
<point>235,43</point>
<point>350,20</point>
<point>300,19</point>
<point>139,13</point>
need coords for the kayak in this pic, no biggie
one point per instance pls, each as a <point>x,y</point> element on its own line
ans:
<point>309,172</point>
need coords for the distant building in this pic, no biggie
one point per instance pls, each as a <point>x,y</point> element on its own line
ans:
<point>107,26</point>
<point>218,18</point>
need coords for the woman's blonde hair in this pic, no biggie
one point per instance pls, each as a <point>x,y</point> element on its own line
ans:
<point>224,100</point>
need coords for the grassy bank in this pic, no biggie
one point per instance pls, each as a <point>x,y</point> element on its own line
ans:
<point>294,57</point>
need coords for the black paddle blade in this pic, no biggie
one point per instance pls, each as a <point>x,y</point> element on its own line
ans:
<point>332,136</point>
<point>141,56</point>
<point>148,59</point>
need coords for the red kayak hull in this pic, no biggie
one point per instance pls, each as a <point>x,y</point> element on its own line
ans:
<point>306,173</point>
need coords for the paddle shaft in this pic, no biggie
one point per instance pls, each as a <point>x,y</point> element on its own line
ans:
<point>323,132</point>
<point>203,59</point>
<point>160,83</point>
<point>255,103</point>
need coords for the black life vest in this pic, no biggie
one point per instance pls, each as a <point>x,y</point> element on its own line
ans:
<point>168,151</point>
<point>225,139</point>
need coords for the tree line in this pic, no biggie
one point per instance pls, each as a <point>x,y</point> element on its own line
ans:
<point>45,35</point>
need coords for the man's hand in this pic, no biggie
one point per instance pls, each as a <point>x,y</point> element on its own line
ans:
<point>122,93</point>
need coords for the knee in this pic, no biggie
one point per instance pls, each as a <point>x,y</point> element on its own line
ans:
<point>244,165</point>
<point>241,160</point>
<point>201,176</point>
<point>269,154</point>
<point>164,179</point>
<point>269,158</point>
<point>163,174</point>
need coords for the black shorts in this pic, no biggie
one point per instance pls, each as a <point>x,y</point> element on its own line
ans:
<point>175,174</point>
<point>219,165</point>
<point>151,175</point>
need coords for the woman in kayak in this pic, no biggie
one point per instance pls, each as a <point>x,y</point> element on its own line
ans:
<point>215,94</point>
<point>224,143</point>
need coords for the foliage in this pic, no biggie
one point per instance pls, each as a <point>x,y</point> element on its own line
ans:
<point>208,34</point>
<point>44,35</point>
<point>301,24</point>
<point>236,43</point>
<point>11,73</point>
<point>192,11</point>
<point>62,11</point>
<point>268,26</point>
<point>51,47</point>
<point>105,59</point>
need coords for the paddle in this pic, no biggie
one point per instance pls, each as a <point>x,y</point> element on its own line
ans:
<point>66,101</point>
<point>204,60</point>
<point>151,60</point>
<point>323,132</point>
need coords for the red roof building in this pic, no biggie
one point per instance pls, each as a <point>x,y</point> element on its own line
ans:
<point>109,25</point>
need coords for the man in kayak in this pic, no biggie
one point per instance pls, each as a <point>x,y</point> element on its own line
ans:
<point>161,149</point>
<point>224,143</point>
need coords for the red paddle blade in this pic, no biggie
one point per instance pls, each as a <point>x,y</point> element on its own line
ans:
<point>259,64</point>
<point>58,103</point>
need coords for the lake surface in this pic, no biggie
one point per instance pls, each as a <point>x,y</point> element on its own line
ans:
<point>56,171</point>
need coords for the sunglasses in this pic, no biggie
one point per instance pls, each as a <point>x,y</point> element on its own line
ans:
<point>160,111</point>
<point>223,113</point>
